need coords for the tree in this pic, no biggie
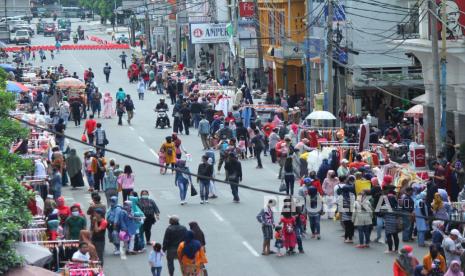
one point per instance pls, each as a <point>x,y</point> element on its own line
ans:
<point>104,8</point>
<point>13,196</point>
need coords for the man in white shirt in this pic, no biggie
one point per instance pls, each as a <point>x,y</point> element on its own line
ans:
<point>452,246</point>
<point>82,255</point>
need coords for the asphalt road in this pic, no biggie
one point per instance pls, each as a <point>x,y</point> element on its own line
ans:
<point>232,233</point>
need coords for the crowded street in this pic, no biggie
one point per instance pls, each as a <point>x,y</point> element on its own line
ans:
<point>141,133</point>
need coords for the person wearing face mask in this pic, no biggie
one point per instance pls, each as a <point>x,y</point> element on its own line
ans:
<point>405,264</point>
<point>74,224</point>
<point>329,183</point>
<point>151,213</point>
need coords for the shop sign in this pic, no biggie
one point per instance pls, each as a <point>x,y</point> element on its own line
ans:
<point>246,9</point>
<point>158,30</point>
<point>204,33</point>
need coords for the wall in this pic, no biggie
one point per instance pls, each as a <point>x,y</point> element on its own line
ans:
<point>15,7</point>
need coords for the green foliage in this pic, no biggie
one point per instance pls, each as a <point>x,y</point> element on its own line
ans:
<point>14,214</point>
<point>104,8</point>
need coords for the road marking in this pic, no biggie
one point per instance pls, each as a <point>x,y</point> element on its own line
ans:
<point>215,213</point>
<point>154,153</point>
<point>141,139</point>
<point>131,128</point>
<point>250,248</point>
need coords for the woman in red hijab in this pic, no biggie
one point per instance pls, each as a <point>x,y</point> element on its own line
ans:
<point>63,210</point>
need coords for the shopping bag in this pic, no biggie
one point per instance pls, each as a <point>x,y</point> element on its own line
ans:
<point>84,138</point>
<point>193,190</point>
<point>282,187</point>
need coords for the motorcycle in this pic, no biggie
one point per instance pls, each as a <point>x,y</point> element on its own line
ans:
<point>162,119</point>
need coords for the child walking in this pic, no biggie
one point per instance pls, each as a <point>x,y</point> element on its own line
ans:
<point>162,160</point>
<point>156,260</point>
<point>278,236</point>
<point>242,148</point>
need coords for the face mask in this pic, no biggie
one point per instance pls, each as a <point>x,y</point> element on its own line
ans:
<point>145,196</point>
<point>75,213</point>
<point>410,254</point>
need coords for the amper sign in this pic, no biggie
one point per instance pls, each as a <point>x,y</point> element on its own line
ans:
<point>202,33</point>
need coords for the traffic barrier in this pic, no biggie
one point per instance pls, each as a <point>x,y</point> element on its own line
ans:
<point>77,47</point>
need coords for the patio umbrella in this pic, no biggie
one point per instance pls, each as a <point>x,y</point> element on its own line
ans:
<point>70,83</point>
<point>16,87</point>
<point>320,115</point>
<point>34,254</point>
<point>415,111</point>
<point>7,67</point>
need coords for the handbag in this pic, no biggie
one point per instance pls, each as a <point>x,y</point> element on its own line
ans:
<point>282,187</point>
<point>84,138</point>
<point>193,190</point>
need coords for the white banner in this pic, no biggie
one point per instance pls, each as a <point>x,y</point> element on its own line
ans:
<point>203,33</point>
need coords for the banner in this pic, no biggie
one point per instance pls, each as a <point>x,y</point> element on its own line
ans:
<point>455,19</point>
<point>204,33</point>
<point>246,9</point>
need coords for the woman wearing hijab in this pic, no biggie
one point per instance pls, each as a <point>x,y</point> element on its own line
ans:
<point>440,210</point>
<point>328,185</point>
<point>108,110</point>
<point>191,255</point>
<point>182,179</point>
<point>84,236</point>
<point>151,213</point>
<point>198,233</point>
<point>323,170</point>
<point>138,216</point>
<point>454,269</point>
<point>63,211</point>
<point>74,168</point>
<point>129,226</point>
<point>405,264</point>
<point>178,144</point>
<point>169,148</point>
<point>141,89</point>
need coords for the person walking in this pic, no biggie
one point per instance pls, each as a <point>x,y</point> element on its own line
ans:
<point>96,102</point>
<point>129,105</point>
<point>110,181</point>
<point>56,183</point>
<point>107,71</point>
<point>141,89</point>
<point>233,170</point>
<point>126,182</point>
<point>174,235</point>
<point>191,255</point>
<point>328,185</point>
<point>407,205</point>
<point>390,224</point>
<point>74,168</point>
<point>100,139</point>
<point>362,219</point>
<point>75,108</point>
<point>120,110</point>
<point>198,233</point>
<point>108,110</point>
<point>98,233</point>
<point>204,131</point>
<point>123,57</point>
<point>204,172</point>
<point>185,117</point>
<point>169,148</point>
<point>289,175</point>
<point>98,170</point>
<point>89,129</point>
<point>120,95</point>
<point>113,215</point>
<point>156,260</point>
<point>182,179</point>
<point>59,129</point>
<point>258,143</point>
<point>266,219</point>
<point>151,213</point>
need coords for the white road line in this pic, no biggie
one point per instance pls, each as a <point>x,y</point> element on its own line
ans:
<point>250,248</point>
<point>154,153</point>
<point>215,213</point>
<point>131,128</point>
<point>141,139</point>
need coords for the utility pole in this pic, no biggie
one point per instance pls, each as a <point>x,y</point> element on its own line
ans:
<point>308,75</point>
<point>436,77</point>
<point>329,102</point>
<point>261,73</point>
<point>443,70</point>
<point>148,43</point>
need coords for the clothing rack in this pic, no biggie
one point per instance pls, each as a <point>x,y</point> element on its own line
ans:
<point>348,145</point>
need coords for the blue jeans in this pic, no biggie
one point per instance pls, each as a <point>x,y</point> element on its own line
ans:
<point>314,223</point>
<point>196,119</point>
<point>418,270</point>
<point>421,238</point>
<point>183,189</point>
<point>298,233</point>
<point>379,227</point>
<point>57,192</point>
<point>115,239</point>
<point>204,186</point>
<point>407,232</point>
<point>156,271</point>
<point>364,234</point>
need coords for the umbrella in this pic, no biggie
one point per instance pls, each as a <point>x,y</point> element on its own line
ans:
<point>7,67</point>
<point>34,254</point>
<point>16,87</point>
<point>28,270</point>
<point>70,83</point>
<point>320,115</point>
<point>415,111</point>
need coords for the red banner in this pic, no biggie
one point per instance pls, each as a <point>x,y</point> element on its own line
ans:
<point>246,9</point>
<point>455,13</point>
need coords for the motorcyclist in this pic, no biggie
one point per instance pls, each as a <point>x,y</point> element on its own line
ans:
<point>163,106</point>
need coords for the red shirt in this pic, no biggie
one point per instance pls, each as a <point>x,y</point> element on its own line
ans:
<point>268,128</point>
<point>357,165</point>
<point>90,126</point>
